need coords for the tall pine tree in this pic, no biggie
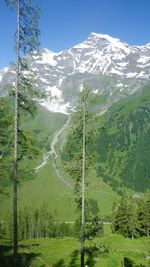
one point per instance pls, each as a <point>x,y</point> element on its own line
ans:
<point>79,157</point>
<point>27,33</point>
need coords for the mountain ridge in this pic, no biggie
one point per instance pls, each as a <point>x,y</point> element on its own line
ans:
<point>101,62</point>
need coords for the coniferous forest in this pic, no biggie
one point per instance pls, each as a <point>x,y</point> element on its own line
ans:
<point>74,151</point>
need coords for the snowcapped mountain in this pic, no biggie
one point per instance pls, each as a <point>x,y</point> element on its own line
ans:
<point>103,63</point>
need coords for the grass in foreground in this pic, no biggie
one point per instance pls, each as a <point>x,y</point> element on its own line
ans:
<point>46,252</point>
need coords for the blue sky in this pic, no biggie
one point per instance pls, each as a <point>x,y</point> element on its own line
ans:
<point>64,23</point>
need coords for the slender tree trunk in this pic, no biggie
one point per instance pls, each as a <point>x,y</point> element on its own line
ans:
<point>132,236</point>
<point>148,231</point>
<point>83,190</point>
<point>122,262</point>
<point>15,225</point>
<point>25,230</point>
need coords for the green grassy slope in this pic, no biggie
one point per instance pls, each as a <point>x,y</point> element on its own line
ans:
<point>47,188</point>
<point>44,126</point>
<point>102,193</point>
<point>61,251</point>
<point>46,252</point>
<point>124,142</point>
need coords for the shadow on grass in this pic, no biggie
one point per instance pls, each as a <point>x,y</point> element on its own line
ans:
<point>73,260</point>
<point>60,263</point>
<point>25,257</point>
<point>129,263</point>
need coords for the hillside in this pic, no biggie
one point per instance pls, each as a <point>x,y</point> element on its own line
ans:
<point>124,142</point>
<point>123,147</point>
<point>46,185</point>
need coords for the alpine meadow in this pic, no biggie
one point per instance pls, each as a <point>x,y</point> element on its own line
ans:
<point>74,144</point>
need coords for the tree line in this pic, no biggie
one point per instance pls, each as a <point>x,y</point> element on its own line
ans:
<point>131,217</point>
<point>37,223</point>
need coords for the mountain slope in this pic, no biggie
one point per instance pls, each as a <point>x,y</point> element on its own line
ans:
<point>105,64</point>
<point>45,186</point>
<point>124,142</point>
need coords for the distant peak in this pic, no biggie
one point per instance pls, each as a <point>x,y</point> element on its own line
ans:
<point>45,50</point>
<point>104,36</point>
<point>113,42</point>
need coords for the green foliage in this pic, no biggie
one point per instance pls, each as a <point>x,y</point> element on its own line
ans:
<point>124,142</point>
<point>28,147</point>
<point>146,217</point>
<point>6,147</point>
<point>36,223</point>
<point>72,149</point>
<point>93,206</point>
<point>29,30</point>
<point>131,217</point>
<point>26,41</point>
<point>94,227</point>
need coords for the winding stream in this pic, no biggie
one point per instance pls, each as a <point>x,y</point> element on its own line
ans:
<point>53,154</point>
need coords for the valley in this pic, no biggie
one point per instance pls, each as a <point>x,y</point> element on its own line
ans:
<point>52,145</point>
<point>51,186</point>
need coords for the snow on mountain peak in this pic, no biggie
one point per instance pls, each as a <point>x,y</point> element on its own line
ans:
<point>101,62</point>
<point>46,57</point>
<point>111,41</point>
<point>98,38</point>
<point>104,36</point>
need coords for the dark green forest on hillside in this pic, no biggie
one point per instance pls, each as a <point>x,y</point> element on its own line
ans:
<point>124,142</point>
